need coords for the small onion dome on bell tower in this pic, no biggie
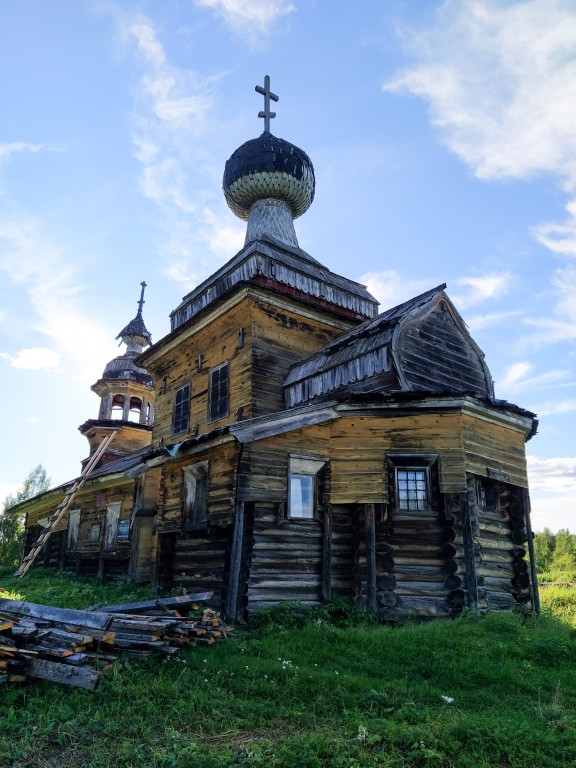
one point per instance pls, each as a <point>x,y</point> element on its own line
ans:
<point>126,393</point>
<point>269,182</point>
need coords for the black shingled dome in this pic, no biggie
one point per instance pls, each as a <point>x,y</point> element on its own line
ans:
<point>269,154</point>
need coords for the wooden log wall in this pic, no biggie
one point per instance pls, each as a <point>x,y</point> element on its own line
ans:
<point>286,559</point>
<point>501,536</point>
<point>200,562</point>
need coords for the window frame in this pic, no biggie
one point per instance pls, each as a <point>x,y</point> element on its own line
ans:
<point>413,462</point>
<point>192,474</point>
<point>304,467</point>
<point>213,399</point>
<point>73,530</point>
<point>181,421</point>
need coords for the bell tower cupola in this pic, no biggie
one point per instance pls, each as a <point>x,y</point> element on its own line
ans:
<point>126,393</point>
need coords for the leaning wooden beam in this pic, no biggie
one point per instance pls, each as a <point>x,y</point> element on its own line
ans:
<point>170,603</point>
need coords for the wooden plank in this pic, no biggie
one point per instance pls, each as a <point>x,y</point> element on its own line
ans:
<point>49,613</point>
<point>178,602</point>
<point>56,672</point>
<point>370,542</point>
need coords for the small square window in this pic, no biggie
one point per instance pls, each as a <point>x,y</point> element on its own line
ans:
<point>180,419</point>
<point>218,398</point>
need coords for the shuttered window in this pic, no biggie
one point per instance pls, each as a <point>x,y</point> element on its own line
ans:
<point>218,405</point>
<point>180,417</point>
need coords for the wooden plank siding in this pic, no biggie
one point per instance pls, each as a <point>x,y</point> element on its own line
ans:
<point>436,355</point>
<point>215,343</point>
<point>282,337</point>
<point>359,445</point>
<point>489,445</point>
<point>222,471</point>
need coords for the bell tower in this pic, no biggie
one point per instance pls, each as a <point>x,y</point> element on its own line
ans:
<point>126,394</point>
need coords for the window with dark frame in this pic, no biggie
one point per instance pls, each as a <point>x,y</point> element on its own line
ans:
<point>218,397</point>
<point>180,419</point>
<point>413,481</point>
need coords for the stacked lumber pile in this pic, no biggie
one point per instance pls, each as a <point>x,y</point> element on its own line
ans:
<point>74,647</point>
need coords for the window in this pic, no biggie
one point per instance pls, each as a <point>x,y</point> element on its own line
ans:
<point>111,530</point>
<point>195,506</point>
<point>303,487</point>
<point>181,410</point>
<point>117,411</point>
<point>412,488</point>
<point>413,481</point>
<point>135,409</point>
<point>218,405</point>
<point>73,528</point>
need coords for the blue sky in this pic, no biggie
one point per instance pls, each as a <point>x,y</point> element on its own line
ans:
<point>442,136</point>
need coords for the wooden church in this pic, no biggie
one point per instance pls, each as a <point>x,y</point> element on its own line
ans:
<point>285,441</point>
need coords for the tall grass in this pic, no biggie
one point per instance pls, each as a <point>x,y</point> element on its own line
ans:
<point>303,689</point>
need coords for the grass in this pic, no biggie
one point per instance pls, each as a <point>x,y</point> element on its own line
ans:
<point>304,688</point>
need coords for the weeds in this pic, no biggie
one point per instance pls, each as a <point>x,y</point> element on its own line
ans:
<point>309,687</point>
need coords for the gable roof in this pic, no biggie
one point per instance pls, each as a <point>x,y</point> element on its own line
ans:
<point>370,352</point>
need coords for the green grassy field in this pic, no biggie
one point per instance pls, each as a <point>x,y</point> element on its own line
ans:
<point>312,688</point>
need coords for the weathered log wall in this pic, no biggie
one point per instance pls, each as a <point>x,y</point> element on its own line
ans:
<point>286,559</point>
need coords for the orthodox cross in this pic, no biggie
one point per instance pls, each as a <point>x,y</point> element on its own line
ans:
<point>141,302</point>
<point>267,93</point>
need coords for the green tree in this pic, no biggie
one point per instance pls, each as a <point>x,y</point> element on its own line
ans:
<point>12,524</point>
<point>544,544</point>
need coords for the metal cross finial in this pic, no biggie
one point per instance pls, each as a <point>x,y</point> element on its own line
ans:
<point>267,93</point>
<point>141,302</point>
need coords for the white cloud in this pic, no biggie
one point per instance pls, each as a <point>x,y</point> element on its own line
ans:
<point>481,322</point>
<point>170,110</point>
<point>556,408</point>
<point>482,288</point>
<point>552,492</point>
<point>517,377</point>
<point>249,17</point>
<point>390,288</point>
<point>15,147</point>
<point>34,359</point>
<point>500,80</point>
<point>30,262</point>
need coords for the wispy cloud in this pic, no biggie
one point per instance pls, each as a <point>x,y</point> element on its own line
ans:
<point>390,288</point>
<point>16,147</point>
<point>251,18</point>
<point>34,359</point>
<point>33,264</point>
<point>556,408</point>
<point>171,108</point>
<point>518,377</point>
<point>482,288</point>
<point>481,322</point>
<point>552,490</point>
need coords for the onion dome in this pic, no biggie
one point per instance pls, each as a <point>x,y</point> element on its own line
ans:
<point>268,167</point>
<point>136,336</point>
<point>269,182</point>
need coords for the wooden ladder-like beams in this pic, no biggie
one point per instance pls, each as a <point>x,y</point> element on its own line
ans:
<point>64,505</point>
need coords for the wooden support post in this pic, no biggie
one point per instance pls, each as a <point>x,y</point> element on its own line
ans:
<point>235,562</point>
<point>327,555</point>
<point>531,553</point>
<point>370,530</point>
<point>471,579</point>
